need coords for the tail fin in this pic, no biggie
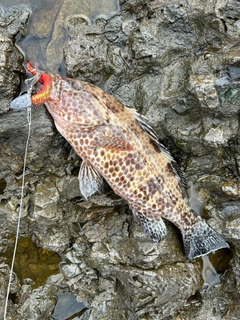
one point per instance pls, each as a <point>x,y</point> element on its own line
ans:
<point>201,240</point>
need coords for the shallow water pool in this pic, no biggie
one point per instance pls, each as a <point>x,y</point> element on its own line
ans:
<point>47,32</point>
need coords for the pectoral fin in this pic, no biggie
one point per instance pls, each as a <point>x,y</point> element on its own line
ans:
<point>89,179</point>
<point>154,227</point>
<point>113,143</point>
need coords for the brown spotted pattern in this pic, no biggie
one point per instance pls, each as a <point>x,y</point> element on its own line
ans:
<point>107,134</point>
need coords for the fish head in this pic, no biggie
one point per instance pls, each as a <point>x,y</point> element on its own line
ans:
<point>69,101</point>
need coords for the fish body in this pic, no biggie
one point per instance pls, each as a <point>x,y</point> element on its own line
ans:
<point>115,142</point>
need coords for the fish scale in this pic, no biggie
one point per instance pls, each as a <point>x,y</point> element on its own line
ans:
<point>117,143</point>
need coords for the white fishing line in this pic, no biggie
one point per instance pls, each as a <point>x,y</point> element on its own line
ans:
<point>20,211</point>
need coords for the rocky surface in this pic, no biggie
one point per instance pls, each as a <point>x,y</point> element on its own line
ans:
<point>12,23</point>
<point>178,63</point>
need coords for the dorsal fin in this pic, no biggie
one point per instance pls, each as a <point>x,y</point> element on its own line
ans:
<point>181,175</point>
<point>144,124</point>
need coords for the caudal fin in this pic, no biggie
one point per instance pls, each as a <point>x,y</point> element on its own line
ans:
<point>202,240</point>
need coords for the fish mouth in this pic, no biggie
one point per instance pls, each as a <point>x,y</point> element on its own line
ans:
<point>38,86</point>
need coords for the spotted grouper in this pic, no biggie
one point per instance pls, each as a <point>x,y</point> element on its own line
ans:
<point>117,143</point>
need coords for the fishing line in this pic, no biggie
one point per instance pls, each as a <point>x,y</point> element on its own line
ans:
<point>20,211</point>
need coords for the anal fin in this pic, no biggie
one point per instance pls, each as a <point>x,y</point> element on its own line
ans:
<point>89,178</point>
<point>154,227</point>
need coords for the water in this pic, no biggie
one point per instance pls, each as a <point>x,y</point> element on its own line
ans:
<point>47,32</point>
<point>3,185</point>
<point>209,274</point>
<point>32,262</point>
<point>67,306</point>
<point>214,266</point>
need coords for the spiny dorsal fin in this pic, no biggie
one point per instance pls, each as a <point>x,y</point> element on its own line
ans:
<point>144,124</point>
<point>180,174</point>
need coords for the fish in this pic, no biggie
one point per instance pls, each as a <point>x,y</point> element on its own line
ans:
<point>118,144</point>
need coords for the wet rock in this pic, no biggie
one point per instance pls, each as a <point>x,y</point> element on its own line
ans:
<point>52,238</point>
<point>115,270</point>
<point>35,305</point>
<point>46,202</point>
<point>221,134</point>
<point>229,210</point>
<point>205,91</point>
<point>214,308</point>
<point>174,69</point>
<point>99,59</point>
<point>12,24</point>
<point>177,62</point>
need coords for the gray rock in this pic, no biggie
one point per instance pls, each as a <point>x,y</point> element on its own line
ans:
<point>177,62</point>
<point>12,23</point>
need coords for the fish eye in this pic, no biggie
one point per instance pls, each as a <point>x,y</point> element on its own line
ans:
<point>76,85</point>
